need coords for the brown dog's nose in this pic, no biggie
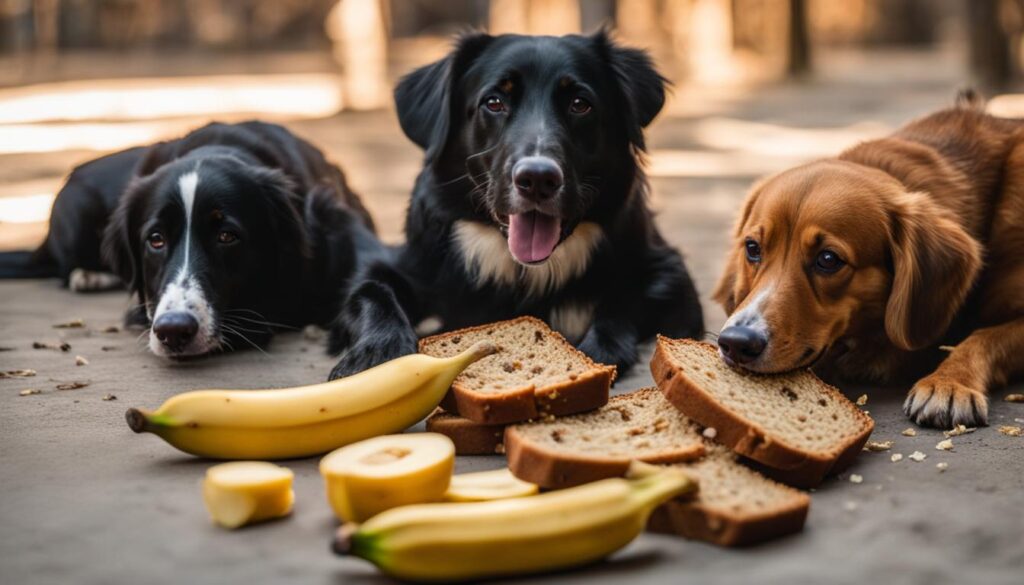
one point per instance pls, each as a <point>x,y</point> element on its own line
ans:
<point>537,178</point>
<point>175,329</point>
<point>741,344</point>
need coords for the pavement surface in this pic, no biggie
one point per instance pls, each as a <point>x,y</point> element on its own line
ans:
<point>84,500</point>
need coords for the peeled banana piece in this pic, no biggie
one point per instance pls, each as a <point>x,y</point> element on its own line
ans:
<point>368,477</point>
<point>483,486</point>
<point>306,420</point>
<point>244,492</point>
<point>462,541</point>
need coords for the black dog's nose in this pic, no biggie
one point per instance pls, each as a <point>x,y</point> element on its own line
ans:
<point>175,329</point>
<point>537,178</point>
<point>741,344</point>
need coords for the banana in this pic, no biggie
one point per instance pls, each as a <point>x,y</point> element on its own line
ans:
<point>306,420</point>
<point>462,541</point>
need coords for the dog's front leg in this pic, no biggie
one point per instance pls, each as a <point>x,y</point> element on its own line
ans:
<point>955,393</point>
<point>373,328</point>
<point>612,340</point>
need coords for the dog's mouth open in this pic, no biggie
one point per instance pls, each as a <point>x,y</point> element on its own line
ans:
<point>533,236</point>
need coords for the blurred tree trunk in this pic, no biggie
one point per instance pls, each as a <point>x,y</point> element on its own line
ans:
<point>798,51</point>
<point>989,45</point>
<point>359,31</point>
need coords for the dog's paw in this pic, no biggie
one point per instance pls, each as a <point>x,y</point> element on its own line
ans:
<point>942,402</point>
<point>363,356</point>
<point>614,352</point>
<point>82,280</point>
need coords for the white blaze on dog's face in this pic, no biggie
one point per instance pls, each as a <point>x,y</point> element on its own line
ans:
<point>183,320</point>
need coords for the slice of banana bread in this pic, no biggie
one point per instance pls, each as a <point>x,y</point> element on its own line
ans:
<point>793,423</point>
<point>470,438</point>
<point>735,505</point>
<point>535,373</point>
<point>573,450</point>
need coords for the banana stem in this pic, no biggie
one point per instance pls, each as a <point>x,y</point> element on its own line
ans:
<point>664,485</point>
<point>480,349</point>
<point>343,538</point>
<point>142,421</point>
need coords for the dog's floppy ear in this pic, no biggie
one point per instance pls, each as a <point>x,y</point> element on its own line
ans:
<point>120,248</point>
<point>935,264</point>
<point>290,238</point>
<point>641,84</point>
<point>157,156</point>
<point>423,97</point>
<point>736,259</point>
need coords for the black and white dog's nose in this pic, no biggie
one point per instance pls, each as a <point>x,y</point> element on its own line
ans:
<point>741,344</point>
<point>175,329</point>
<point>537,178</point>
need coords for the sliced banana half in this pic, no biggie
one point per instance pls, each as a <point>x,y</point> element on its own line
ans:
<point>366,478</point>
<point>244,492</point>
<point>488,485</point>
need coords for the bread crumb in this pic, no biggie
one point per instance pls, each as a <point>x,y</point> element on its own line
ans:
<point>72,385</point>
<point>108,397</point>
<point>959,430</point>
<point>944,445</point>
<point>1014,398</point>
<point>862,400</point>
<point>877,446</point>
<point>18,374</point>
<point>710,433</point>
<point>896,457</point>
<point>855,478</point>
<point>1011,431</point>
<point>917,456</point>
<point>72,324</point>
<point>909,432</point>
<point>81,361</point>
<point>942,466</point>
<point>30,392</point>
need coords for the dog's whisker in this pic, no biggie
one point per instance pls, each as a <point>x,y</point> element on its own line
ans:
<point>244,338</point>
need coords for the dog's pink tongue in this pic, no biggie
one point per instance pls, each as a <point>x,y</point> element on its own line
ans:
<point>532,236</point>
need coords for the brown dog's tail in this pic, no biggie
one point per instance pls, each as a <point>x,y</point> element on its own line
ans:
<point>969,98</point>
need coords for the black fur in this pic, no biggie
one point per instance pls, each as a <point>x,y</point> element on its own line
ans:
<point>301,232</point>
<point>636,282</point>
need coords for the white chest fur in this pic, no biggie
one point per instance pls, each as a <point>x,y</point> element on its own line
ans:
<point>487,259</point>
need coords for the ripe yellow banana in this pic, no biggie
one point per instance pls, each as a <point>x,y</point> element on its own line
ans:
<point>449,542</point>
<point>306,420</point>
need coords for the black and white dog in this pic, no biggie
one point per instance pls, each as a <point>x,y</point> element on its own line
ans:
<point>531,202</point>
<point>223,235</point>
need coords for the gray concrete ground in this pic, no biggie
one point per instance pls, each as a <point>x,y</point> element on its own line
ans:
<point>84,500</point>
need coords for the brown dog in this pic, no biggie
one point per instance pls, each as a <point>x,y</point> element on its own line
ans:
<point>868,265</point>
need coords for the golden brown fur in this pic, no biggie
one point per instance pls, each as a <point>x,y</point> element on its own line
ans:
<point>930,225</point>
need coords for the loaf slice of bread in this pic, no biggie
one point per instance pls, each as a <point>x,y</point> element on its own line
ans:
<point>574,450</point>
<point>535,373</point>
<point>793,423</point>
<point>470,438</point>
<point>735,505</point>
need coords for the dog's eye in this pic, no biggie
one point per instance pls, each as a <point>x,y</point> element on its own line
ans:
<point>753,251</point>
<point>226,237</point>
<point>494,104</point>
<point>828,262</point>
<point>580,106</point>
<point>156,240</point>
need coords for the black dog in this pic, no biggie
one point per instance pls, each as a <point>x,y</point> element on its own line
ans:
<point>531,202</point>
<point>223,235</point>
